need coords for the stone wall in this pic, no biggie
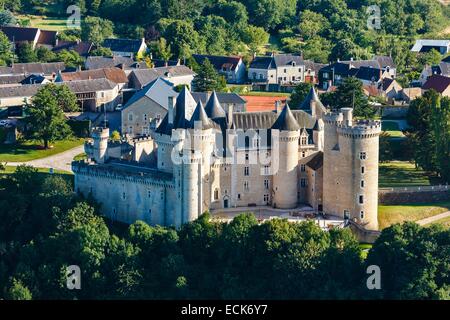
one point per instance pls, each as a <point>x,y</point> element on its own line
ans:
<point>398,198</point>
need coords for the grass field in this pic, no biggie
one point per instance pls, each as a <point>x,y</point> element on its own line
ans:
<point>45,23</point>
<point>388,215</point>
<point>43,173</point>
<point>32,150</point>
<point>392,129</point>
<point>403,174</point>
<point>445,222</point>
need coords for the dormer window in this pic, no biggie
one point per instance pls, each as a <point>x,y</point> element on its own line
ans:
<point>304,141</point>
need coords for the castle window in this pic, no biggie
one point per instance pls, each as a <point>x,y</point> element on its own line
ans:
<point>362,183</point>
<point>303,154</point>
<point>145,131</point>
<point>246,157</point>
<point>130,117</point>
<point>246,186</point>
<point>149,193</point>
<point>246,171</point>
<point>361,199</point>
<point>362,155</point>
<point>145,117</point>
<point>363,169</point>
<point>303,183</point>
<point>266,198</point>
<point>266,170</point>
<point>162,164</point>
<point>302,168</point>
<point>162,195</point>
<point>266,184</point>
<point>304,141</point>
<point>216,194</point>
<point>124,196</point>
<point>361,214</point>
<point>346,214</point>
<point>239,196</point>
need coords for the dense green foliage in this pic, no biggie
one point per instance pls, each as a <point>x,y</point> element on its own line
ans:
<point>47,227</point>
<point>322,30</point>
<point>429,117</point>
<point>207,78</point>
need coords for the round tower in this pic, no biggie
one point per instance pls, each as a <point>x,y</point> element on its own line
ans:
<point>285,138</point>
<point>191,177</point>
<point>359,145</point>
<point>100,145</point>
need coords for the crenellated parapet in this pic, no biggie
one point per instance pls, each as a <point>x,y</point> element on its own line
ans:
<point>363,129</point>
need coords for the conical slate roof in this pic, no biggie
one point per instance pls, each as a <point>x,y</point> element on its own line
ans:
<point>200,115</point>
<point>184,100</point>
<point>213,108</point>
<point>286,121</point>
<point>312,96</point>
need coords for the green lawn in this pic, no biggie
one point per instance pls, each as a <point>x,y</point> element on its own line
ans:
<point>392,129</point>
<point>403,174</point>
<point>445,222</point>
<point>79,157</point>
<point>45,23</point>
<point>388,215</point>
<point>32,150</point>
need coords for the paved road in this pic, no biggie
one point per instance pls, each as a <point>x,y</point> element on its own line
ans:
<point>60,161</point>
<point>433,218</point>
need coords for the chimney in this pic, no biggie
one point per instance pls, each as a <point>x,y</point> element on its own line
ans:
<point>170,110</point>
<point>230,113</point>
<point>278,107</point>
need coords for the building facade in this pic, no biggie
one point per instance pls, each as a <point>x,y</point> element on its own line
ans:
<point>209,158</point>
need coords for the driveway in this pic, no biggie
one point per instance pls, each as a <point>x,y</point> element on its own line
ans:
<point>60,161</point>
<point>432,219</point>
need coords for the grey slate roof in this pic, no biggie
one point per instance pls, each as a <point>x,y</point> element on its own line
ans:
<point>123,45</point>
<point>385,61</point>
<point>362,63</point>
<point>262,63</point>
<point>181,120</point>
<point>145,76</point>
<point>286,121</point>
<point>12,79</point>
<point>369,74</point>
<point>35,68</point>
<point>213,108</point>
<point>116,61</point>
<point>141,93</point>
<point>224,97</point>
<point>312,96</point>
<point>75,86</point>
<point>287,59</point>
<point>316,162</point>
<point>219,62</point>
<point>200,115</point>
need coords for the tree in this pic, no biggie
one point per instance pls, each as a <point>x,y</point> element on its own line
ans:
<point>5,49</point>
<point>18,291</point>
<point>25,53</point>
<point>299,94</point>
<point>45,55</point>
<point>208,79</point>
<point>233,12</point>
<point>164,50</point>
<point>96,29</point>
<point>430,58</point>
<point>350,94</point>
<point>182,37</point>
<point>71,58</point>
<point>312,24</point>
<point>46,120</point>
<point>255,37</point>
<point>386,153</point>
<point>101,52</point>
<point>115,135</point>
<point>7,18</point>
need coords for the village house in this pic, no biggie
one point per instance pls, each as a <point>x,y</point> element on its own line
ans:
<point>438,83</point>
<point>178,75</point>
<point>48,70</point>
<point>232,68</point>
<point>281,72</point>
<point>35,36</point>
<point>129,48</point>
<point>83,48</point>
<point>115,75</point>
<point>92,95</point>
<point>442,69</point>
<point>426,45</point>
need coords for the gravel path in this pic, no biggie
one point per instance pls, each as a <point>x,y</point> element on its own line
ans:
<point>433,218</point>
<point>60,161</point>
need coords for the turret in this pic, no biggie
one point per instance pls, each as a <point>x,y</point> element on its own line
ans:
<point>285,138</point>
<point>319,134</point>
<point>191,186</point>
<point>100,145</point>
